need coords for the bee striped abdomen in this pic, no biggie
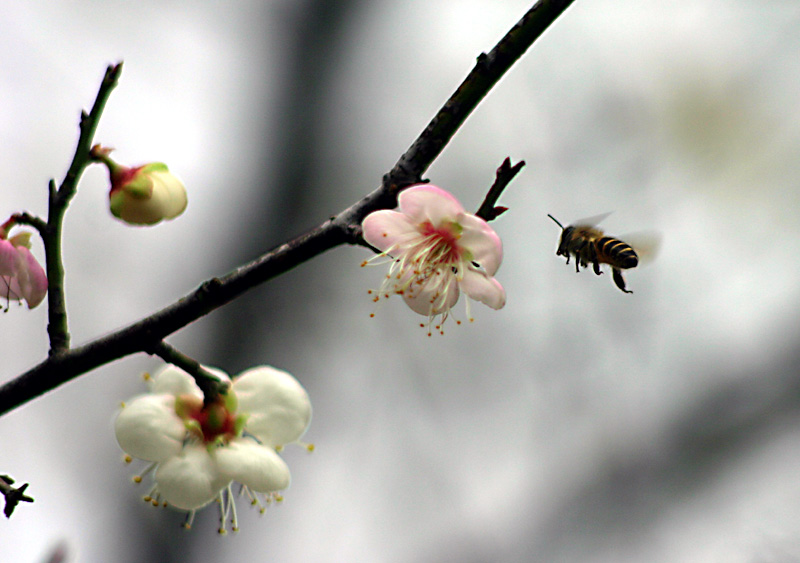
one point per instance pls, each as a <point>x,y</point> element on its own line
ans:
<point>615,252</point>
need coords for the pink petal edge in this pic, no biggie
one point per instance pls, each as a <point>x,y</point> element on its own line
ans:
<point>426,202</point>
<point>484,288</point>
<point>385,229</point>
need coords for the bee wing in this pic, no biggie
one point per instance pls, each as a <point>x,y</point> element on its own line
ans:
<point>591,221</point>
<point>645,243</point>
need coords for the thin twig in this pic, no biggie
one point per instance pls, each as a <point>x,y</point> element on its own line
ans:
<point>489,210</point>
<point>342,229</point>
<point>26,218</point>
<point>209,383</point>
<point>57,327</point>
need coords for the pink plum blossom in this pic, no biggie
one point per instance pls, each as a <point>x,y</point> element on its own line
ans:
<point>198,449</point>
<point>437,250</point>
<point>21,276</point>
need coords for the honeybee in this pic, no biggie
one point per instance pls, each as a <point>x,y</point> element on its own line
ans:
<point>591,246</point>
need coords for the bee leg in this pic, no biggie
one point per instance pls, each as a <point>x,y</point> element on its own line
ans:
<point>597,269</point>
<point>619,280</point>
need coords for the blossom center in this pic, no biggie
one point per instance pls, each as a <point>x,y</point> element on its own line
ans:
<point>211,422</point>
<point>439,245</point>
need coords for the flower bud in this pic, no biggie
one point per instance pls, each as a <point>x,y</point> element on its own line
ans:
<point>143,195</point>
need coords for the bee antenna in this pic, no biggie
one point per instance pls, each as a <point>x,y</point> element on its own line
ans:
<point>556,220</point>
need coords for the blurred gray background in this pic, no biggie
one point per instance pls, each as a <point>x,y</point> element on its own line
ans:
<point>576,424</point>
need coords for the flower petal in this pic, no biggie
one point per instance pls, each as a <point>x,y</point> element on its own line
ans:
<point>31,276</point>
<point>149,429</point>
<point>9,288</point>
<point>426,202</point>
<point>482,242</point>
<point>429,298</point>
<point>8,258</point>
<point>191,479</point>
<point>386,230</point>
<point>482,287</point>
<point>258,467</point>
<point>173,380</point>
<point>169,193</point>
<point>278,407</point>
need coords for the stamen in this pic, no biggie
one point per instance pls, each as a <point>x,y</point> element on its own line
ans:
<point>223,514</point>
<point>147,470</point>
<point>232,505</point>
<point>187,524</point>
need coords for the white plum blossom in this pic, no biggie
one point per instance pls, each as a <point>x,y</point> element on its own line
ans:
<point>198,449</point>
<point>437,250</point>
<point>144,195</point>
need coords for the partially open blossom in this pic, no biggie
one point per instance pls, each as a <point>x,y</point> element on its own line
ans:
<point>21,276</point>
<point>198,449</point>
<point>437,250</point>
<point>143,195</point>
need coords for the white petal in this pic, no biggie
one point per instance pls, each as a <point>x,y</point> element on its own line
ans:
<point>426,202</point>
<point>385,229</point>
<point>484,288</point>
<point>278,407</point>
<point>169,194</point>
<point>252,464</point>
<point>173,380</point>
<point>149,429</point>
<point>190,480</point>
<point>482,242</point>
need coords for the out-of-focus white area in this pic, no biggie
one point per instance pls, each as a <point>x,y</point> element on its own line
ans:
<point>578,423</point>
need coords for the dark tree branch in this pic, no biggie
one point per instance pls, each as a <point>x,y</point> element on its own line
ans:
<point>345,228</point>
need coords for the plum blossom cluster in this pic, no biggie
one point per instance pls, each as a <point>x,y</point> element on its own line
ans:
<point>437,250</point>
<point>144,195</point>
<point>22,278</point>
<point>196,449</point>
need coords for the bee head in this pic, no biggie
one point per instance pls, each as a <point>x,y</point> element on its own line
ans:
<point>566,234</point>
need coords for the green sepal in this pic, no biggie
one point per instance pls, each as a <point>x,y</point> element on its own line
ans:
<point>116,201</point>
<point>239,424</point>
<point>229,400</point>
<point>140,186</point>
<point>155,167</point>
